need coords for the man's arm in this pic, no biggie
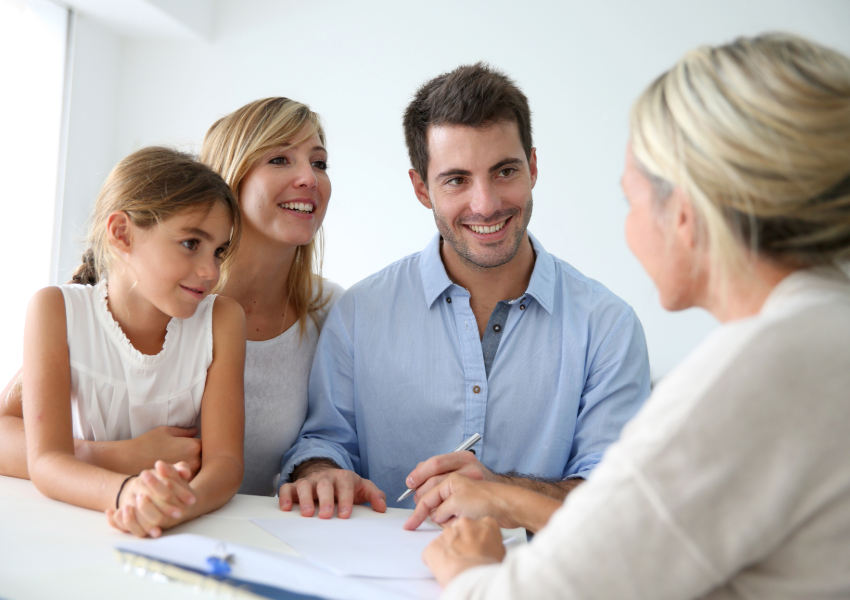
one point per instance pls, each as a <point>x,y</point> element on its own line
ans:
<point>554,488</point>
<point>323,464</point>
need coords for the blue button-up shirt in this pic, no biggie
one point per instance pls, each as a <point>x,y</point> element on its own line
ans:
<point>399,375</point>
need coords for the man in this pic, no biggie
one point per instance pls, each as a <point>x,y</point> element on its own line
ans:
<point>481,332</point>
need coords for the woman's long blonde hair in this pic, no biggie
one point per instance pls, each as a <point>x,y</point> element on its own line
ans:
<point>235,143</point>
<point>757,134</point>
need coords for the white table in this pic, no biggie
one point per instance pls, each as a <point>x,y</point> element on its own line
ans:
<point>52,550</point>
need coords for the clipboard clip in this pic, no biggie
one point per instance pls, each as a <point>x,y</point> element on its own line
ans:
<point>218,563</point>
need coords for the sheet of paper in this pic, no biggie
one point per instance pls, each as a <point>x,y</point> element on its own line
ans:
<point>357,547</point>
<point>278,570</point>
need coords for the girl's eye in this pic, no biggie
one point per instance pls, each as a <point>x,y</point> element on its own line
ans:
<point>219,252</point>
<point>320,164</point>
<point>279,160</point>
<point>191,244</point>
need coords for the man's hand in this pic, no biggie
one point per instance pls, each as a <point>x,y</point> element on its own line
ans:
<point>171,445</point>
<point>457,496</point>
<point>430,473</point>
<point>327,483</point>
<point>463,545</point>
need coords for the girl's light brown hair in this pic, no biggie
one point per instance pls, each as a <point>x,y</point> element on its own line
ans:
<point>757,134</point>
<point>235,143</point>
<point>150,186</point>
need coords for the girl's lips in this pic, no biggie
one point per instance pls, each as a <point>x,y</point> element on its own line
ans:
<point>194,292</point>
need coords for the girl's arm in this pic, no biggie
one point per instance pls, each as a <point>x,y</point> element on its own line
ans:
<point>223,424</point>
<point>53,467</point>
<point>170,444</point>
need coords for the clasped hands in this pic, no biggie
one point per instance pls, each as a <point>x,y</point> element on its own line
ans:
<point>156,499</point>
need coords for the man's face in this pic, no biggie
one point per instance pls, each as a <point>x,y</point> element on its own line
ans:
<point>479,187</point>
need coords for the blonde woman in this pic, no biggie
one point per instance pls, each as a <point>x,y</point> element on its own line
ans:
<point>272,154</point>
<point>734,479</point>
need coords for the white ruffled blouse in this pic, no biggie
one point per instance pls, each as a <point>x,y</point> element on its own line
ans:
<point>118,393</point>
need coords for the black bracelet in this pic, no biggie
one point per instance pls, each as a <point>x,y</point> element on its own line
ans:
<point>121,489</point>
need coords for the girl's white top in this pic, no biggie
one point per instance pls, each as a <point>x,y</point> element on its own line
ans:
<point>733,481</point>
<point>277,372</point>
<point>118,393</point>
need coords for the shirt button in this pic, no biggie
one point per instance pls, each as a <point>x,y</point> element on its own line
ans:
<point>522,306</point>
<point>449,300</point>
<point>476,389</point>
<point>497,328</point>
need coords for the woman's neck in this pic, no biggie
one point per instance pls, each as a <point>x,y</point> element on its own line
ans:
<point>743,292</point>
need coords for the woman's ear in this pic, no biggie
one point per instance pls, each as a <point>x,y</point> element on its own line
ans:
<point>683,219</point>
<point>119,232</point>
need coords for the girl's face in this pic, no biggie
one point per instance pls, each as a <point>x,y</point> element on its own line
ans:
<point>284,196</point>
<point>177,263</point>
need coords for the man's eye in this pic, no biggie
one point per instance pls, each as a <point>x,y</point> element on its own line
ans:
<point>507,172</point>
<point>320,164</point>
<point>191,244</point>
<point>278,160</point>
<point>455,181</point>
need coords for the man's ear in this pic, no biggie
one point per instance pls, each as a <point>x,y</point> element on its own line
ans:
<point>119,232</point>
<point>420,189</point>
<point>532,166</point>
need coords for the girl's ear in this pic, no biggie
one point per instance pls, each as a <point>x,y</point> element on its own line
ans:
<point>119,232</point>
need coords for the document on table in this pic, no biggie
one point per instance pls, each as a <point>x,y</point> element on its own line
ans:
<point>378,548</point>
<point>279,571</point>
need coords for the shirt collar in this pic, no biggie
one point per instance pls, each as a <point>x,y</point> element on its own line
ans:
<point>435,280</point>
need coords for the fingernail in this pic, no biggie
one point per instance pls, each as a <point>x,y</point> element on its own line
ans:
<point>155,532</point>
<point>191,500</point>
<point>306,507</point>
<point>176,514</point>
<point>344,510</point>
<point>410,482</point>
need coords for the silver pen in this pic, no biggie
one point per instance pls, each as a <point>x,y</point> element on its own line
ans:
<point>463,447</point>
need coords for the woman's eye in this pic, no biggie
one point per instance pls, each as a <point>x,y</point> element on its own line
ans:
<point>191,244</point>
<point>278,160</point>
<point>320,164</point>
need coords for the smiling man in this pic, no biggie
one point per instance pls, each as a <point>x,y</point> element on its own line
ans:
<point>481,332</point>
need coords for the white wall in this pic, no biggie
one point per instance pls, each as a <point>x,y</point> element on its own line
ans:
<point>358,63</point>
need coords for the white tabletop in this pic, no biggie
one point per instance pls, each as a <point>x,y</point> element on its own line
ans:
<point>49,549</point>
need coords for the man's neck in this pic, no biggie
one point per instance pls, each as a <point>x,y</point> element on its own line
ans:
<point>489,286</point>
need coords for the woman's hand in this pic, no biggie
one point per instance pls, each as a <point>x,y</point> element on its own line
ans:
<point>157,499</point>
<point>464,544</point>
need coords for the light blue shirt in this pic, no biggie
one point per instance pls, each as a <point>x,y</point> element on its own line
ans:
<point>399,375</point>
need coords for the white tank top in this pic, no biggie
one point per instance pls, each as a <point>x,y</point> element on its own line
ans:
<point>118,393</point>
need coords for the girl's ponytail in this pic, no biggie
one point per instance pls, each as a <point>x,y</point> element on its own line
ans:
<point>86,273</point>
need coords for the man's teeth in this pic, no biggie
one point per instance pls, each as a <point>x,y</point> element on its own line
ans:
<point>485,229</point>
<point>299,206</point>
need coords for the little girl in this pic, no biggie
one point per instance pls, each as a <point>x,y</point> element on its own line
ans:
<point>142,345</point>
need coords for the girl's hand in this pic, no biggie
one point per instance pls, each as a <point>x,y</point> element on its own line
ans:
<point>170,444</point>
<point>464,544</point>
<point>155,500</point>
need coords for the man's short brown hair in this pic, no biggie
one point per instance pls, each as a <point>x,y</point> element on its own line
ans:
<point>472,95</point>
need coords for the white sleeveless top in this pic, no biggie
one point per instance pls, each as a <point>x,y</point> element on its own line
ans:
<point>118,393</point>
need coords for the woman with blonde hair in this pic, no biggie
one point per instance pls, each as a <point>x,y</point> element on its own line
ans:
<point>272,154</point>
<point>733,480</point>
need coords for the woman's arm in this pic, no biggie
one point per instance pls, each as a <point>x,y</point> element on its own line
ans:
<point>53,467</point>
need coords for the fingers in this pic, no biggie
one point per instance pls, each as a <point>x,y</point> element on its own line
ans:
<point>185,470</point>
<point>165,499</point>
<point>148,516</point>
<point>377,499</point>
<point>428,486</point>
<point>125,520</point>
<point>173,478</point>
<point>304,489</point>
<point>438,465</point>
<point>344,495</point>
<point>189,432</point>
<point>428,502</point>
<point>284,496</point>
<point>325,493</point>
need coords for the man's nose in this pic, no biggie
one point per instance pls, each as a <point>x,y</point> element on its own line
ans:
<point>484,199</point>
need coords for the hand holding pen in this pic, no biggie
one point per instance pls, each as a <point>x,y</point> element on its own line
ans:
<point>431,472</point>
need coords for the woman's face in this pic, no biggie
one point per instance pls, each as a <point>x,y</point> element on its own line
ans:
<point>661,238</point>
<point>285,195</point>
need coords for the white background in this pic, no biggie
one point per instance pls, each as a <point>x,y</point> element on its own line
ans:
<point>358,63</point>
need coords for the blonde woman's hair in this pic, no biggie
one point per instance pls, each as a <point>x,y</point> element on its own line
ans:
<point>757,134</point>
<point>149,186</point>
<point>235,143</point>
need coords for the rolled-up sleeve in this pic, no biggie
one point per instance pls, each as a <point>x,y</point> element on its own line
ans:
<point>329,431</point>
<point>615,388</point>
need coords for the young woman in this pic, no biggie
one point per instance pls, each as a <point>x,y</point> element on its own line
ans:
<point>272,154</point>
<point>141,345</point>
<point>733,481</point>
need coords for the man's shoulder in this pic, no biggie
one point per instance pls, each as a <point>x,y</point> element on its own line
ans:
<point>401,276</point>
<point>576,287</point>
